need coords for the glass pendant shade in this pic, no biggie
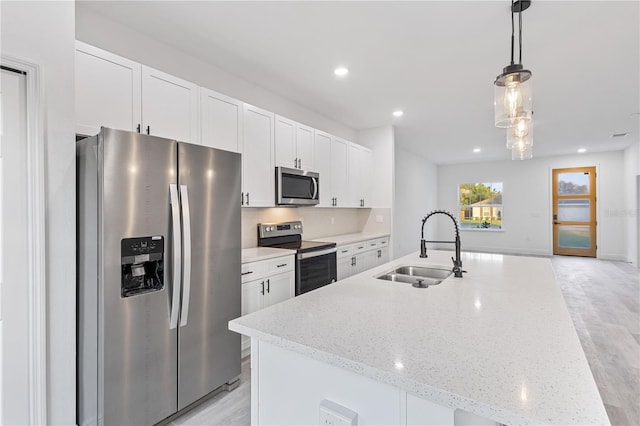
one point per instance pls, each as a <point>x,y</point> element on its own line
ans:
<point>513,96</point>
<point>522,150</point>
<point>521,132</point>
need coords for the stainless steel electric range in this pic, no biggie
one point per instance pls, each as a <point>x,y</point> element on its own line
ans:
<point>315,261</point>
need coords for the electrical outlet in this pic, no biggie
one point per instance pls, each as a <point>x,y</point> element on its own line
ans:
<point>333,220</point>
<point>379,219</point>
<point>332,414</point>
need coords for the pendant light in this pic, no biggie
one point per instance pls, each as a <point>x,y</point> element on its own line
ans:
<point>521,132</point>
<point>513,97</point>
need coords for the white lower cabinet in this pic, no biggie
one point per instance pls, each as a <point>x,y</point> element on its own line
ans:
<point>279,397</point>
<point>265,283</point>
<point>361,256</point>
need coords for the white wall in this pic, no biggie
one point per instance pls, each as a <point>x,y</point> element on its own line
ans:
<point>43,33</point>
<point>631,188</point>
<point>116,38</point>
<point>416,191</point>
<point>527,202</point>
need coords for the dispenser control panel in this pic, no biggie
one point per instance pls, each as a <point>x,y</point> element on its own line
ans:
<point>142,262</point>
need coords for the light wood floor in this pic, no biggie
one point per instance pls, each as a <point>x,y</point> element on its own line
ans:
<point>603,299</point>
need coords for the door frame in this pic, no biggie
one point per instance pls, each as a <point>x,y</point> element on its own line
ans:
<point>36,228</point>
<point>595,208</point>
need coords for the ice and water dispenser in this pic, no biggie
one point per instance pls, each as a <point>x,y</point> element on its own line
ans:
<point>142,261</point>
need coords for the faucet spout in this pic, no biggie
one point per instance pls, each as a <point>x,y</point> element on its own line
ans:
<point>457,262</point>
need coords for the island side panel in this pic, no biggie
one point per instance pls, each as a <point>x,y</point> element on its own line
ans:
<point>290,388</point>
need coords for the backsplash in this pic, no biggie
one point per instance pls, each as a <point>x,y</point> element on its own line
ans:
<point>318,222</point>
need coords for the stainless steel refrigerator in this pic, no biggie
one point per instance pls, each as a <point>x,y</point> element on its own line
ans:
<point>158,275</point>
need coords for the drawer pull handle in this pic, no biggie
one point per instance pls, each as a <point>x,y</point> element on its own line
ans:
<point>246,273</point>
<point>361,247</point>
<point>281,265</point>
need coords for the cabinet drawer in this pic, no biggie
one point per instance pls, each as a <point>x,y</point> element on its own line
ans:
<point>344,251</point>
<point>252,271</point>
<point>279,265</point>
<point>372,244</point>
<point>383,242</point>
<point>360,247</point>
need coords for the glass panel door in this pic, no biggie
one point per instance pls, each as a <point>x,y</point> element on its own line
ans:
<point>574,211</point>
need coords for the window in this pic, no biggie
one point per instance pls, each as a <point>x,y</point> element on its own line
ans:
<point>480,205</point>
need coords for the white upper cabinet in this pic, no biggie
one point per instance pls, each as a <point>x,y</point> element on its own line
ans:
<point>258,172</point>
<point>322,155</point>
<point>339,172</point>
<point>107,91</point>
<point>169,106</point>
<point>286,142</point>
<point>294,144</point>
<point>220,120</point>
<point>304,147</point>
<point>360,164</point>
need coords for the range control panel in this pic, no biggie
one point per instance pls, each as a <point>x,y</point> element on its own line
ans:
<point>267,230</point>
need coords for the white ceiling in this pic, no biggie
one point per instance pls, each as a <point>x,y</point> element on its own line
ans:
<point>436,60</point>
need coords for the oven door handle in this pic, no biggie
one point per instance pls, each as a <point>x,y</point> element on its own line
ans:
<point>310,254</point>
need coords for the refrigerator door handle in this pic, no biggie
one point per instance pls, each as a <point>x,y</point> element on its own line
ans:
<point>186,271</point>
<point>177,250</point>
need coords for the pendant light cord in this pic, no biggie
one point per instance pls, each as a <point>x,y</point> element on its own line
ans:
<point>520,36</point>
<point>512,32</point>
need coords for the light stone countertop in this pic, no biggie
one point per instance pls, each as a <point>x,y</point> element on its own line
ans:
<point>345,239</point>
<point>254,254</point>
<point>498,342</point>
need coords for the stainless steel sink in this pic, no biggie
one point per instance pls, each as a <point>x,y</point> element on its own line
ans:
<point>418,276</point>
<point>423,271</point>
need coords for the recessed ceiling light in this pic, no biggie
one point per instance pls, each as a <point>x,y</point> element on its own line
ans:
<point>397,113</point>
<point>476,150</point>
<point>619,135</point>
<point>341,71</point>
<point>582,150</point>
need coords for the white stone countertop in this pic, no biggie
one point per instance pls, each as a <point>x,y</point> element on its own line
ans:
<point>345,239</point>
<point>498,342</point>
<point>254,254</point>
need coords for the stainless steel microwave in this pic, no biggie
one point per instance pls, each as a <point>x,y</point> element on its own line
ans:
<point>297,187</point>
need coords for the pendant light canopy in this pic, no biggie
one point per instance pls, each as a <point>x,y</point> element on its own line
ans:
<point>513,95</point>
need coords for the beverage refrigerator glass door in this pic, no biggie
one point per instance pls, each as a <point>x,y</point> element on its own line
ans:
<point>297,187</point>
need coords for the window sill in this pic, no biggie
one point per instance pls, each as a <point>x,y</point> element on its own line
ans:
<point>482,230</point>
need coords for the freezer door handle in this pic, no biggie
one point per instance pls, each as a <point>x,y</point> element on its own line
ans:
<point>186,270</point>
<point>177,250</point>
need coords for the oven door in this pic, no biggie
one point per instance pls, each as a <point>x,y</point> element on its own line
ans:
<point>315,269</point>
<point>297,187</point>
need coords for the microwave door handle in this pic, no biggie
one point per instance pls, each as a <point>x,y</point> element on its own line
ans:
<point>176,242</point>
<point>315,188</point>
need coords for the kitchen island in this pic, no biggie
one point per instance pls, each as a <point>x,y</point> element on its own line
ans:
<point>496,346</point>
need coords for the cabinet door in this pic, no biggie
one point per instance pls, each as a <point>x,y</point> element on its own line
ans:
<point>339,176</point>
<point>322,151</point>
<point>279,288</point>
<point>107,91</point>
<point>285,145</point>
<point>383,256</point>
<point>304,147</point>
<point>366,176</point>
<point>252,297</point>
<point>344,267</point>
<point>355,193</point>
<point>169,106</point>
<point>257,158</point>
<point>221,121</point>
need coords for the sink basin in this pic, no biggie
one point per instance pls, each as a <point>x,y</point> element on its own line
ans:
<point>422,271</point>
<point>418,276</point>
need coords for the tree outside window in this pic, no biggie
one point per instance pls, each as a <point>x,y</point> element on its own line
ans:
<point>480,205</point>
